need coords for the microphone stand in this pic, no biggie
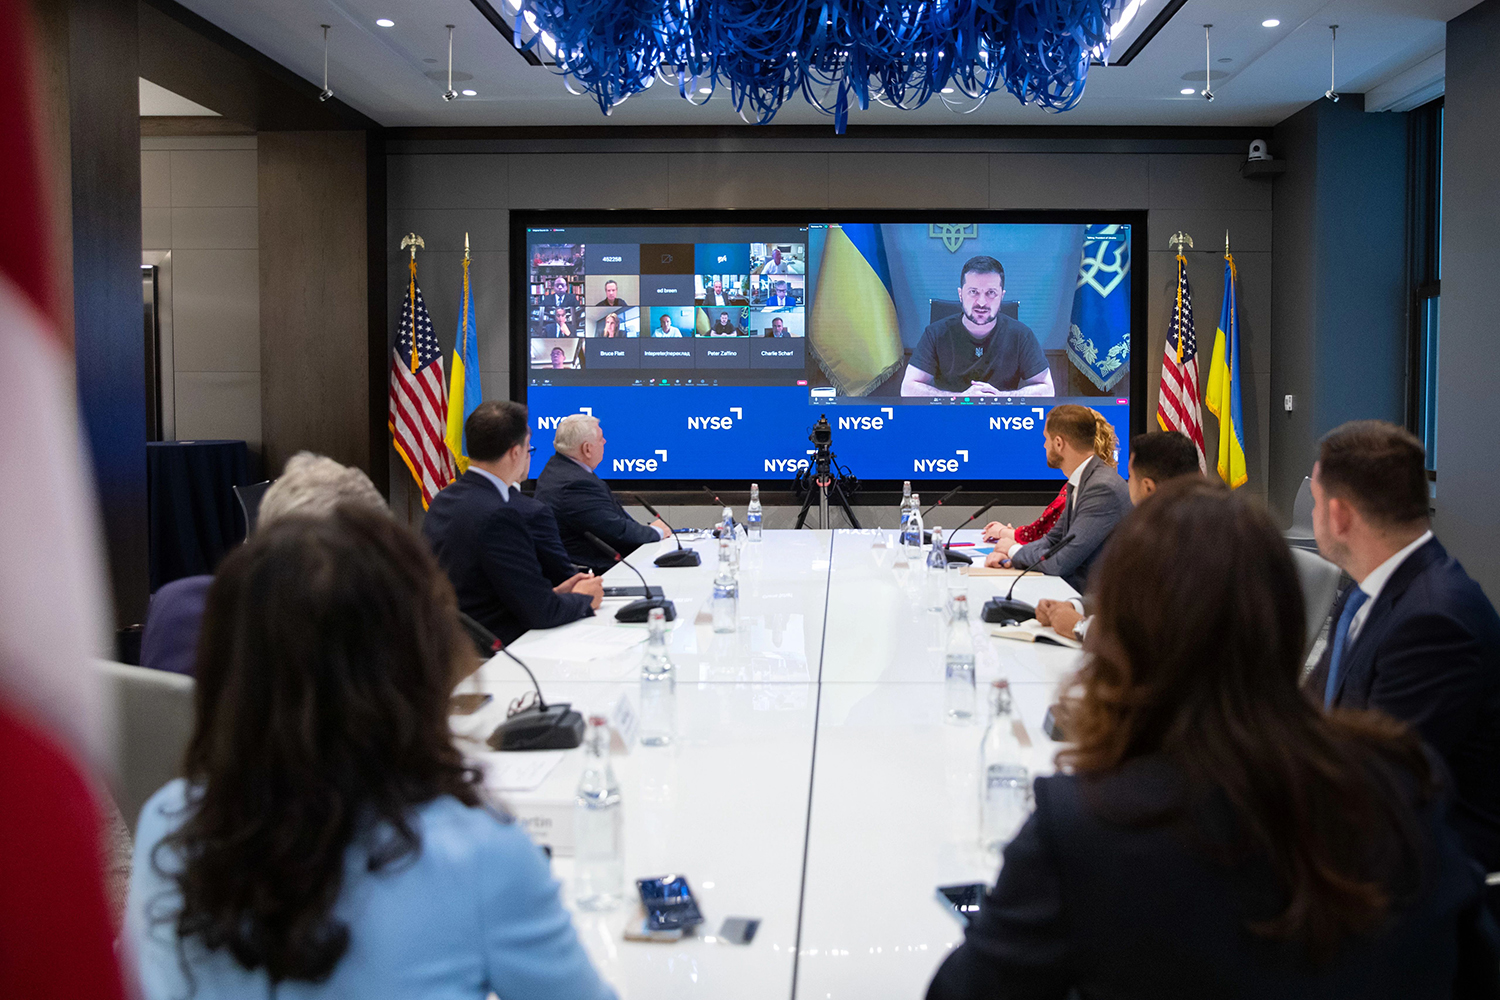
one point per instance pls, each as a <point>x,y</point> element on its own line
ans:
<point>636,611</point>
<point>1000,609</point>
<point>537,727</point>
<point>945,497</point>
<point>964,557</point>
<point>681,557</point>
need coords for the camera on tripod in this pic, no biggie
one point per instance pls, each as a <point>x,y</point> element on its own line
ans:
<point>823,479</point>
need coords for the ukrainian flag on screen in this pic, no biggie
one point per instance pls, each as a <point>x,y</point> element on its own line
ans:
<point>1222,395</point>
<point>463,387</point>
<point>854,334</point>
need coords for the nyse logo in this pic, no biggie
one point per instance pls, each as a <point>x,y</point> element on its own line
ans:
<point>861,423</point>
<point>1028,423</point>
<point>547,423</point>
<point>716,423</point>
<point>939,464</point>
<point>785,464</point>
<point>640,464</point>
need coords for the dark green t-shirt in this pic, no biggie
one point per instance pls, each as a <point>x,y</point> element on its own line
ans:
<point>1007,357</point>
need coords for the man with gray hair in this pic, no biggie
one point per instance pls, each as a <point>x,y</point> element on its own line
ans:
<point>582,502</point>
<point>310,486</point>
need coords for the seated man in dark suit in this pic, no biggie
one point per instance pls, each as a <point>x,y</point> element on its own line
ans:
<point>582,501</point>
<point>310,485</point>
<point>500,551</point>
<point>1076,438</point>
<point>1415,638</point>
<point>1156,458</point>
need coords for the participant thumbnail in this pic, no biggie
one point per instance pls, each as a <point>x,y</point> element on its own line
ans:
<point>556,321</point>
<point>667,258</point>
<point>721,289</point>
<point>612,290</point>
<point>734,322</point>
<point>673,321</point>
<point>778,258</point>
<point>777,323</point>
<point>549,352</point>
<point>721,258</point>
<point>609,323</point>
<point>778,290</point>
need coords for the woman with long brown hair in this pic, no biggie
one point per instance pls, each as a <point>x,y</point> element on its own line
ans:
<point>1214,834</point>
<point>328,839</point>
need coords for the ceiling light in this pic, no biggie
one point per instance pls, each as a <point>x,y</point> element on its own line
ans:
<point>705,90</point>
<point>386,22</point>
<point>1123,21</point>
<point>530,19</point>
<point>514,5</point>
<point>947,90</point>
<point>1188,90</point>
<point>471,93</point>
<point>549,43</point>
<point>1270,22</point>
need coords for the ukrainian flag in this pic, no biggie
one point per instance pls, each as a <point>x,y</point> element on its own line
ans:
<point>463,388</point>
<point>1222,396</point>
<point>854,334</point>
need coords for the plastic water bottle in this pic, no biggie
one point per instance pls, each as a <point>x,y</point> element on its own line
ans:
<point>936,587</point>
<point>753,513</point>
<point>728,529</point>
<point>658,686</point>
<point>958,664</point>
<point>905,498</point>
<point>911,531</point>
<point>1004,779</point>
<point>598,827</point>
<point>726,602</point>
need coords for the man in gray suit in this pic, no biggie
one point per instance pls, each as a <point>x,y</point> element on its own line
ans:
<point>1075,438</point>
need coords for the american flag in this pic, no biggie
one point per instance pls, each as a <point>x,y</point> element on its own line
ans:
<point>1177,407</point>
<point>419,398</point>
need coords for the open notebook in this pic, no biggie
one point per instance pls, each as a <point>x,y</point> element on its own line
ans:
<point>1032,630</point>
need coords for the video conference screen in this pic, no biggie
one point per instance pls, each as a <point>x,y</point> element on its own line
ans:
<point>934,348</point>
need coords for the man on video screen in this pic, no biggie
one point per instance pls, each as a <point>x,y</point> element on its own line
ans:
<point>979,351</point>
<point>612,296</point>
<point>560,297</point>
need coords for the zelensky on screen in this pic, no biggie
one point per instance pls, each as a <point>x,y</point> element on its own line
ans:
<point>708,348</point>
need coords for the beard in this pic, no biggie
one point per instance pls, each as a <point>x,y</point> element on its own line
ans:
<point>989,316</point>
<point>1054,459</point>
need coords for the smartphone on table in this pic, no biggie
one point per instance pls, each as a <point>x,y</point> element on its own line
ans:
<point>669,903</point>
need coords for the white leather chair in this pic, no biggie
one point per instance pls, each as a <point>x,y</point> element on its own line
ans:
<point>154,721</point>
<point>1320,587</point>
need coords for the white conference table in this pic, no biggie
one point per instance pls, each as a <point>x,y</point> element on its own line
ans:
<point>813,783</point>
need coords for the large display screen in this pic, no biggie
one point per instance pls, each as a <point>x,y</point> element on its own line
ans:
<point>708,344</point>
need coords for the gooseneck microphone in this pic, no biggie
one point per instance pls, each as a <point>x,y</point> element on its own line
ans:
<point>942,499</point>
<point>964,557</point>
<point>721,503</point>
<point>1000,609</point>
<point>636,611</point>
<point>535,727</point>
<point>680,557</point>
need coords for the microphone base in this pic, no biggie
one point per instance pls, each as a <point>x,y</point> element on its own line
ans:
<point>958,556</point>
<point>1000,609</point>
<point>679,557</point>
<point>637,612</point>
<point>557,727</point>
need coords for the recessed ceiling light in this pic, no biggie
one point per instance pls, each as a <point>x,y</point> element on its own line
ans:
<point>1270,22</point>
<point>470,93</point>
<point>1187,90</point>
<point>947,90</point>
<point>386,22</point>
<point>705,90</point>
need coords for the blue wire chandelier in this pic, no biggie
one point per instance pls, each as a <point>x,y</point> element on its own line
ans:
<point>900,53</point>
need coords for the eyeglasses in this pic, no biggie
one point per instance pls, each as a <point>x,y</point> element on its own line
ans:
<point>531,450</point>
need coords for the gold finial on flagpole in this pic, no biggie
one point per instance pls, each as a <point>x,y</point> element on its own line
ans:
<point>1179,240</point>
<point>466,246</point>
<point>1226,243</point>
<point>412,240</point>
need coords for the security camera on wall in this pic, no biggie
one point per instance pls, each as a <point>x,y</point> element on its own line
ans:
<point>1258,150</point>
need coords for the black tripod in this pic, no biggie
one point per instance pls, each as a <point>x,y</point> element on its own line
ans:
<point>821,479</point>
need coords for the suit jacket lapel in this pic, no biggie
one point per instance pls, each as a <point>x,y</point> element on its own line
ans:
<point>1359,656</point>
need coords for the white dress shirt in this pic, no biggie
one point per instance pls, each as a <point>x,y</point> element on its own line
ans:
<point>1073,481</point>
<point>500,484</point>
<point>1375,583</point>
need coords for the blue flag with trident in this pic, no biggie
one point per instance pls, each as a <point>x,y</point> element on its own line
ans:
<point>1099,335</point>
<point>463,392</point>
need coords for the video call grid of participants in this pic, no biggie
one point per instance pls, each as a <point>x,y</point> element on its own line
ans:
<point>583,290</point>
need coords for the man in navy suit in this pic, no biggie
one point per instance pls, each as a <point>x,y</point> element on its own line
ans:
<point>583,502</point>
<point>501,549</point>
<point>1415,638</point>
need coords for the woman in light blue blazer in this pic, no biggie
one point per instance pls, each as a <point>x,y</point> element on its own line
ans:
<point>328,839</point>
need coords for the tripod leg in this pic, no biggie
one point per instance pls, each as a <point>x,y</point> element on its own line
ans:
<point>806,505</point>
<point>843,501</point>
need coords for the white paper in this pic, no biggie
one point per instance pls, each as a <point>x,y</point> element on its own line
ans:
<point>589,641</point>
<point>519,771</point>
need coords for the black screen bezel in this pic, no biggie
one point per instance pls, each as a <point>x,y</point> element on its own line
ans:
<point>522,220</point>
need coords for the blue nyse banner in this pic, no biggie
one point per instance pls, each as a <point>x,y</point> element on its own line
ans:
<point>760,433</point>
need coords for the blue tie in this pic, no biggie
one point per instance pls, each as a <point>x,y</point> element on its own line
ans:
<point>1340,639</point>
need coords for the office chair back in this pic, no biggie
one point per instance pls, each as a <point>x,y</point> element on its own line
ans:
<point>1320,588</point>
<point>1300,534</point>
<point>938,308</point>
<point>154,721</point>
<point>249,498</point>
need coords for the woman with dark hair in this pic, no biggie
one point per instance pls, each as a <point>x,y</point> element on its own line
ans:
<point>328,838</point>
<point>1214,834</point>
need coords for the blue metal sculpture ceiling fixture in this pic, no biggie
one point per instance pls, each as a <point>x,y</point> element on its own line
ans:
<point>900,53</point>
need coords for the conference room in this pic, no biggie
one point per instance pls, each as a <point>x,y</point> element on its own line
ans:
<point>619,500</point>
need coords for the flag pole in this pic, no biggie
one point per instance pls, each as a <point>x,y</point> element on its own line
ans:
<point>413,241</point>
